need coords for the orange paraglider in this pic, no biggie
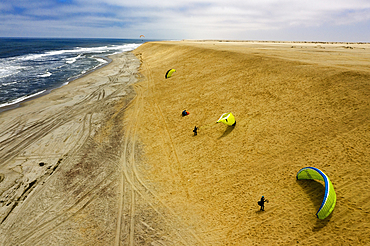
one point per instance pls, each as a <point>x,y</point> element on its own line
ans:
<point>142,36</point>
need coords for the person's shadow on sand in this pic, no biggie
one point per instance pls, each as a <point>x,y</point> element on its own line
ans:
<point>228,130</point>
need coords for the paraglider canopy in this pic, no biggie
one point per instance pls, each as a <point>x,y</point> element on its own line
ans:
<point>330,198</point>
<point>184,113</point>
<point>142,36</point>
<point>228,119</point>
<point>169,73</point>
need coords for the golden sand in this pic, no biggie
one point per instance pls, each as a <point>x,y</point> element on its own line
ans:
<point>295,104</point>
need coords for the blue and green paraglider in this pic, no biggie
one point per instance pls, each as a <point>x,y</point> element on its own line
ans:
<point>330,198</point>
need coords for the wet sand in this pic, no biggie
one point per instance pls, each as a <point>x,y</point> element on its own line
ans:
<point>109,160</point>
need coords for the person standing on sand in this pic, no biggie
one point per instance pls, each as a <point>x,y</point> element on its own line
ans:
<point>262,203</point>
<point>195,130</point>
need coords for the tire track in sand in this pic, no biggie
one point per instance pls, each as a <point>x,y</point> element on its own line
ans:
<point>151,86</point>
<point>22,134</point>
<point>133,188</point>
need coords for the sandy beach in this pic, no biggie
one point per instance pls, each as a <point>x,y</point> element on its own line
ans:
<point>109,160</point>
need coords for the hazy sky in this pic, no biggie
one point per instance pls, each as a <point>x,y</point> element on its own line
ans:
<point>298,20</point>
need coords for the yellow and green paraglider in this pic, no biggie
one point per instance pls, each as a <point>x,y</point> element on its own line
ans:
<point>228,119</point>
<point>330,198</point>
<point>169,73</point>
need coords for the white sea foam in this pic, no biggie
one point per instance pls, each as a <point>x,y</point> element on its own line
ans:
<point>7,69</point>
<point>73,59</point>
<point>45,75</point>
<point>11,83</point>
<point>18,100</point>
<point>101,60</point>
<point>102,49</point>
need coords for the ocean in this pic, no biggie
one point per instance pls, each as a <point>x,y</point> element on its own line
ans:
<point>32,66</point>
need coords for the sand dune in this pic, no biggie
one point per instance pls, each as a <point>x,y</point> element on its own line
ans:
<point>109,160</point>
<point>295,106</point>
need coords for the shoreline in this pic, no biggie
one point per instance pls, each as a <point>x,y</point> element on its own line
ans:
<point>47,91</point>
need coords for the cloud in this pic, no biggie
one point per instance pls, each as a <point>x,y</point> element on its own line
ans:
<point>176,19</point>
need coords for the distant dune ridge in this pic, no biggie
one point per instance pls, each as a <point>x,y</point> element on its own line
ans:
<point>271,42</point>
